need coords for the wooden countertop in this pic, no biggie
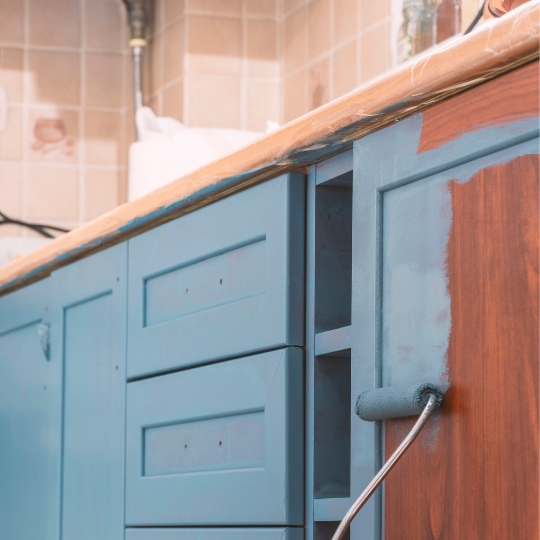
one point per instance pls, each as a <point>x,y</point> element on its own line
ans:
<point>456,65</point>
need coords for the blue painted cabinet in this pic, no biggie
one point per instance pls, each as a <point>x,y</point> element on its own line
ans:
<point>218,445</point>
<point>226,280</point>
<point>30,418</point>
<point>88,336</point>
<point>267,533</point>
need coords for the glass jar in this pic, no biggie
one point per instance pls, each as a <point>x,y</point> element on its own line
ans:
<point>419,29</point>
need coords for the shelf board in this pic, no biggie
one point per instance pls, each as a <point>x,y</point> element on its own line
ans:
<point>334,342</point>
<point>330,509</point>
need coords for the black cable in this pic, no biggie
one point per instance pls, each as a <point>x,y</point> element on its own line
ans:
<point>37,227</point>
<point>476,19</point>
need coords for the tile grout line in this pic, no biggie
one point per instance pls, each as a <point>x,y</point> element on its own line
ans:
<point>243,71</point>
<point>82,122</point>
<point>25,135</point>
<point>185,83</point>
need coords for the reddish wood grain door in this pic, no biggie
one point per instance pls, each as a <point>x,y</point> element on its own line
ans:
<point>477,477</point>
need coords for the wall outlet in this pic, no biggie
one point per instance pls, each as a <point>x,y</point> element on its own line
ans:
<point>3,109</point>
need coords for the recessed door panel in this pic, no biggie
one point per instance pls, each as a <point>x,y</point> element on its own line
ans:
<point>89,320</point>
<point>30,418</point>
<point>223,281</point>
<point>218,445</point>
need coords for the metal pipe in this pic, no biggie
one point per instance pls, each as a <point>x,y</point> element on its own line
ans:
<point>387,467</point>
<point>137,54</point>
<point>137,17</point>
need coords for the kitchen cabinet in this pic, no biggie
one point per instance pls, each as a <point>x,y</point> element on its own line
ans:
<point>194,375</point>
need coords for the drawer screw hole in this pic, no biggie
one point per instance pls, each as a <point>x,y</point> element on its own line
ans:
<point>221,282</point>
<point>220,443</point>
<point>185,446</point>
<point>187,290</point>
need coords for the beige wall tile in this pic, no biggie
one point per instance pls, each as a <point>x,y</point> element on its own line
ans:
<point>156,18</point>
<point>173,101</point>
<point>54,77</point>
<point>122,186</point>
<point>54,23</point>
<point>345,69</point>
<point>295,94</point>
<point>105,25</point>
<point>154,102</point>
<point>130,128</point>
<point>214,45</point>
<point>101,190</point>
<point>319,27</point>
<point>224,7</point>
<point>10,230</point>
<point>291,5</point>
<point>375,52</point>
<point>12,21</point>
<point>104,80</point>
<point>103,141</point>
<point>262,48</point>
<point>11,74</point>
<point>319,84</point>
<point>53,135</point>
<point>345,20</point>
<point>262,104</point>
<point>152,66</point>
<point>11,190</point>
<point>262,39</point>
<point>213,101</point>
<point>262,8</point>
<point>173,54</point>
<point>53,193</point>
<point>11,138</point>
<point>295,40</point>
<point>373,12</point>
<point>174,9</point>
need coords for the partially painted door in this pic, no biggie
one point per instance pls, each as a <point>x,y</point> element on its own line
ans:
<point>30,414</point>
<point>88,337</point>
<point>445,290</point>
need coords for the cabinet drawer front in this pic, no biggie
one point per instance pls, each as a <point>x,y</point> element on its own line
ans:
<point>218,445</point>
<point>223,281</point>
<point>280,533</point>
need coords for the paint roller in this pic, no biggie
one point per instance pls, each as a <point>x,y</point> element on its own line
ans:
<point>382,404</point>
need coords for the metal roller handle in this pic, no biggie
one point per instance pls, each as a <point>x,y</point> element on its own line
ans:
<point>387,467</point>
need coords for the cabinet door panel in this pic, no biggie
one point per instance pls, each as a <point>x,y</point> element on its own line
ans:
<point>223,281</point>
<point>445,290</point>
<point>216,534</point>
<point>218,445</point>
<point>30,419</point>
<point>89,322</point>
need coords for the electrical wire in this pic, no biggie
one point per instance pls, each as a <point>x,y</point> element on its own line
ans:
<point>476,19</point>
<point>37,227</point>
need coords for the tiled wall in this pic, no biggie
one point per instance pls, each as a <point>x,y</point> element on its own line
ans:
<point>265,59</point>
<point>329,48</point>
<point>215,63</point>
<point>62,154</point>
<point>209,63</point>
